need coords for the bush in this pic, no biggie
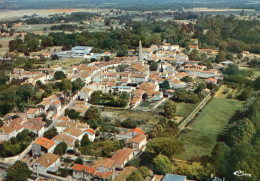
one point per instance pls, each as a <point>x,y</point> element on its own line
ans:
<point>129,124</point>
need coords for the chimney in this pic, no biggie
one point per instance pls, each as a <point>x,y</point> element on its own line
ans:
<point>48,161</point>
<point>3,131</point>
<point>47,144</point>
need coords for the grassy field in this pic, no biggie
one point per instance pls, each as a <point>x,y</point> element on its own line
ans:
<point>201,137</point>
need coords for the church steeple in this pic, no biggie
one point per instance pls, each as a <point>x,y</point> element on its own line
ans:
<point>140,53</point>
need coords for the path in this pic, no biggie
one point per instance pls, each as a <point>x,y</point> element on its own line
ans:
<point>219,91</point>
<point>158,104</point>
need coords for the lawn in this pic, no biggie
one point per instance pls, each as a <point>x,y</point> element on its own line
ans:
<point>201,138</point>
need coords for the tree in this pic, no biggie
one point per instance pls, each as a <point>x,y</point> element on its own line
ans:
<point>134,162</point>
<point>169,109</point>
<point>220,158</point>
<point>93,114</point>
<point>76,143</point>
<point>136,176</point>
<point>59,75</point>
<point>166,146</point>
<point>66,85</point>
<point>154,66</point>
<point>73,114</point>
<point>243,131</point>
<point>162,164</point>
<point>221,56</point>
<point>187,79</point>
<point>257,83</point>
<point>194,55</point>
<point>79,160</point>
<point>165,85</point>
<point>77,85</point>
<point>85,141</point>
<point>144,96</point>
<point>51,133</point>
<point>18,172</point>
<point>1,123</point>
<point>129,123</point>
<point>245,94</point>
<point>60,149</point>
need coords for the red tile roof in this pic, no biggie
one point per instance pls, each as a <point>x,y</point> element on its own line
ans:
<point>136,130</point>
<point>91,131</point>
<point>137,139</point>
<point>122,155</point>
<point>45,142</point>
<point>102,175</point>
<point>78,167</point>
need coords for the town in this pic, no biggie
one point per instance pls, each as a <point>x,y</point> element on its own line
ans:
<point>143,110</point>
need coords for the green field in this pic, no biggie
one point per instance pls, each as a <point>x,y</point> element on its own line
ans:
<point>201,137</point>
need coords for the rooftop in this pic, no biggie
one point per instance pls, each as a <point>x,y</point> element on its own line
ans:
<point>47,159</point>
<point>45,142</point>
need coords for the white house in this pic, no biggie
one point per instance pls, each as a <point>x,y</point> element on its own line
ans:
<point>47,162</point>
<point>43,145</point>
<point>91,134</point>
<point>7,132</point>
<point>122,156</point>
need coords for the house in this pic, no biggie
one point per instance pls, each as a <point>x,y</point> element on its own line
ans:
<point>157,177</point>
<point>133,132</point>
<point>17,124</point>
<point>122,88</point>
<point>122,156</point>
<point>42,145</point>
<point>173,177</point>
<point>81,52</point>
<point>64,123</point>
<point>136,100</point>
<point>85,93</point>
<point>157,95</point>
<point>33,112</point>
<point>18,71</point>
<point>104,165</point>
<point>57,105</point>
<point>74,132</point>
<point>69,140</point>
<point>137,142</point>
<point>83,172</point>
<point>176,84</point>
<point>80,108</point>
<point>47,162</point>
<point>212,80</point>
<point>138,78</point>
<point>91,134</point>
<point>35,125</point>
<point>46,55</point>
<point>7,132</point>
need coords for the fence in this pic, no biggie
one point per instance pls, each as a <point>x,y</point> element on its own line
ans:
<point>194,112</point>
